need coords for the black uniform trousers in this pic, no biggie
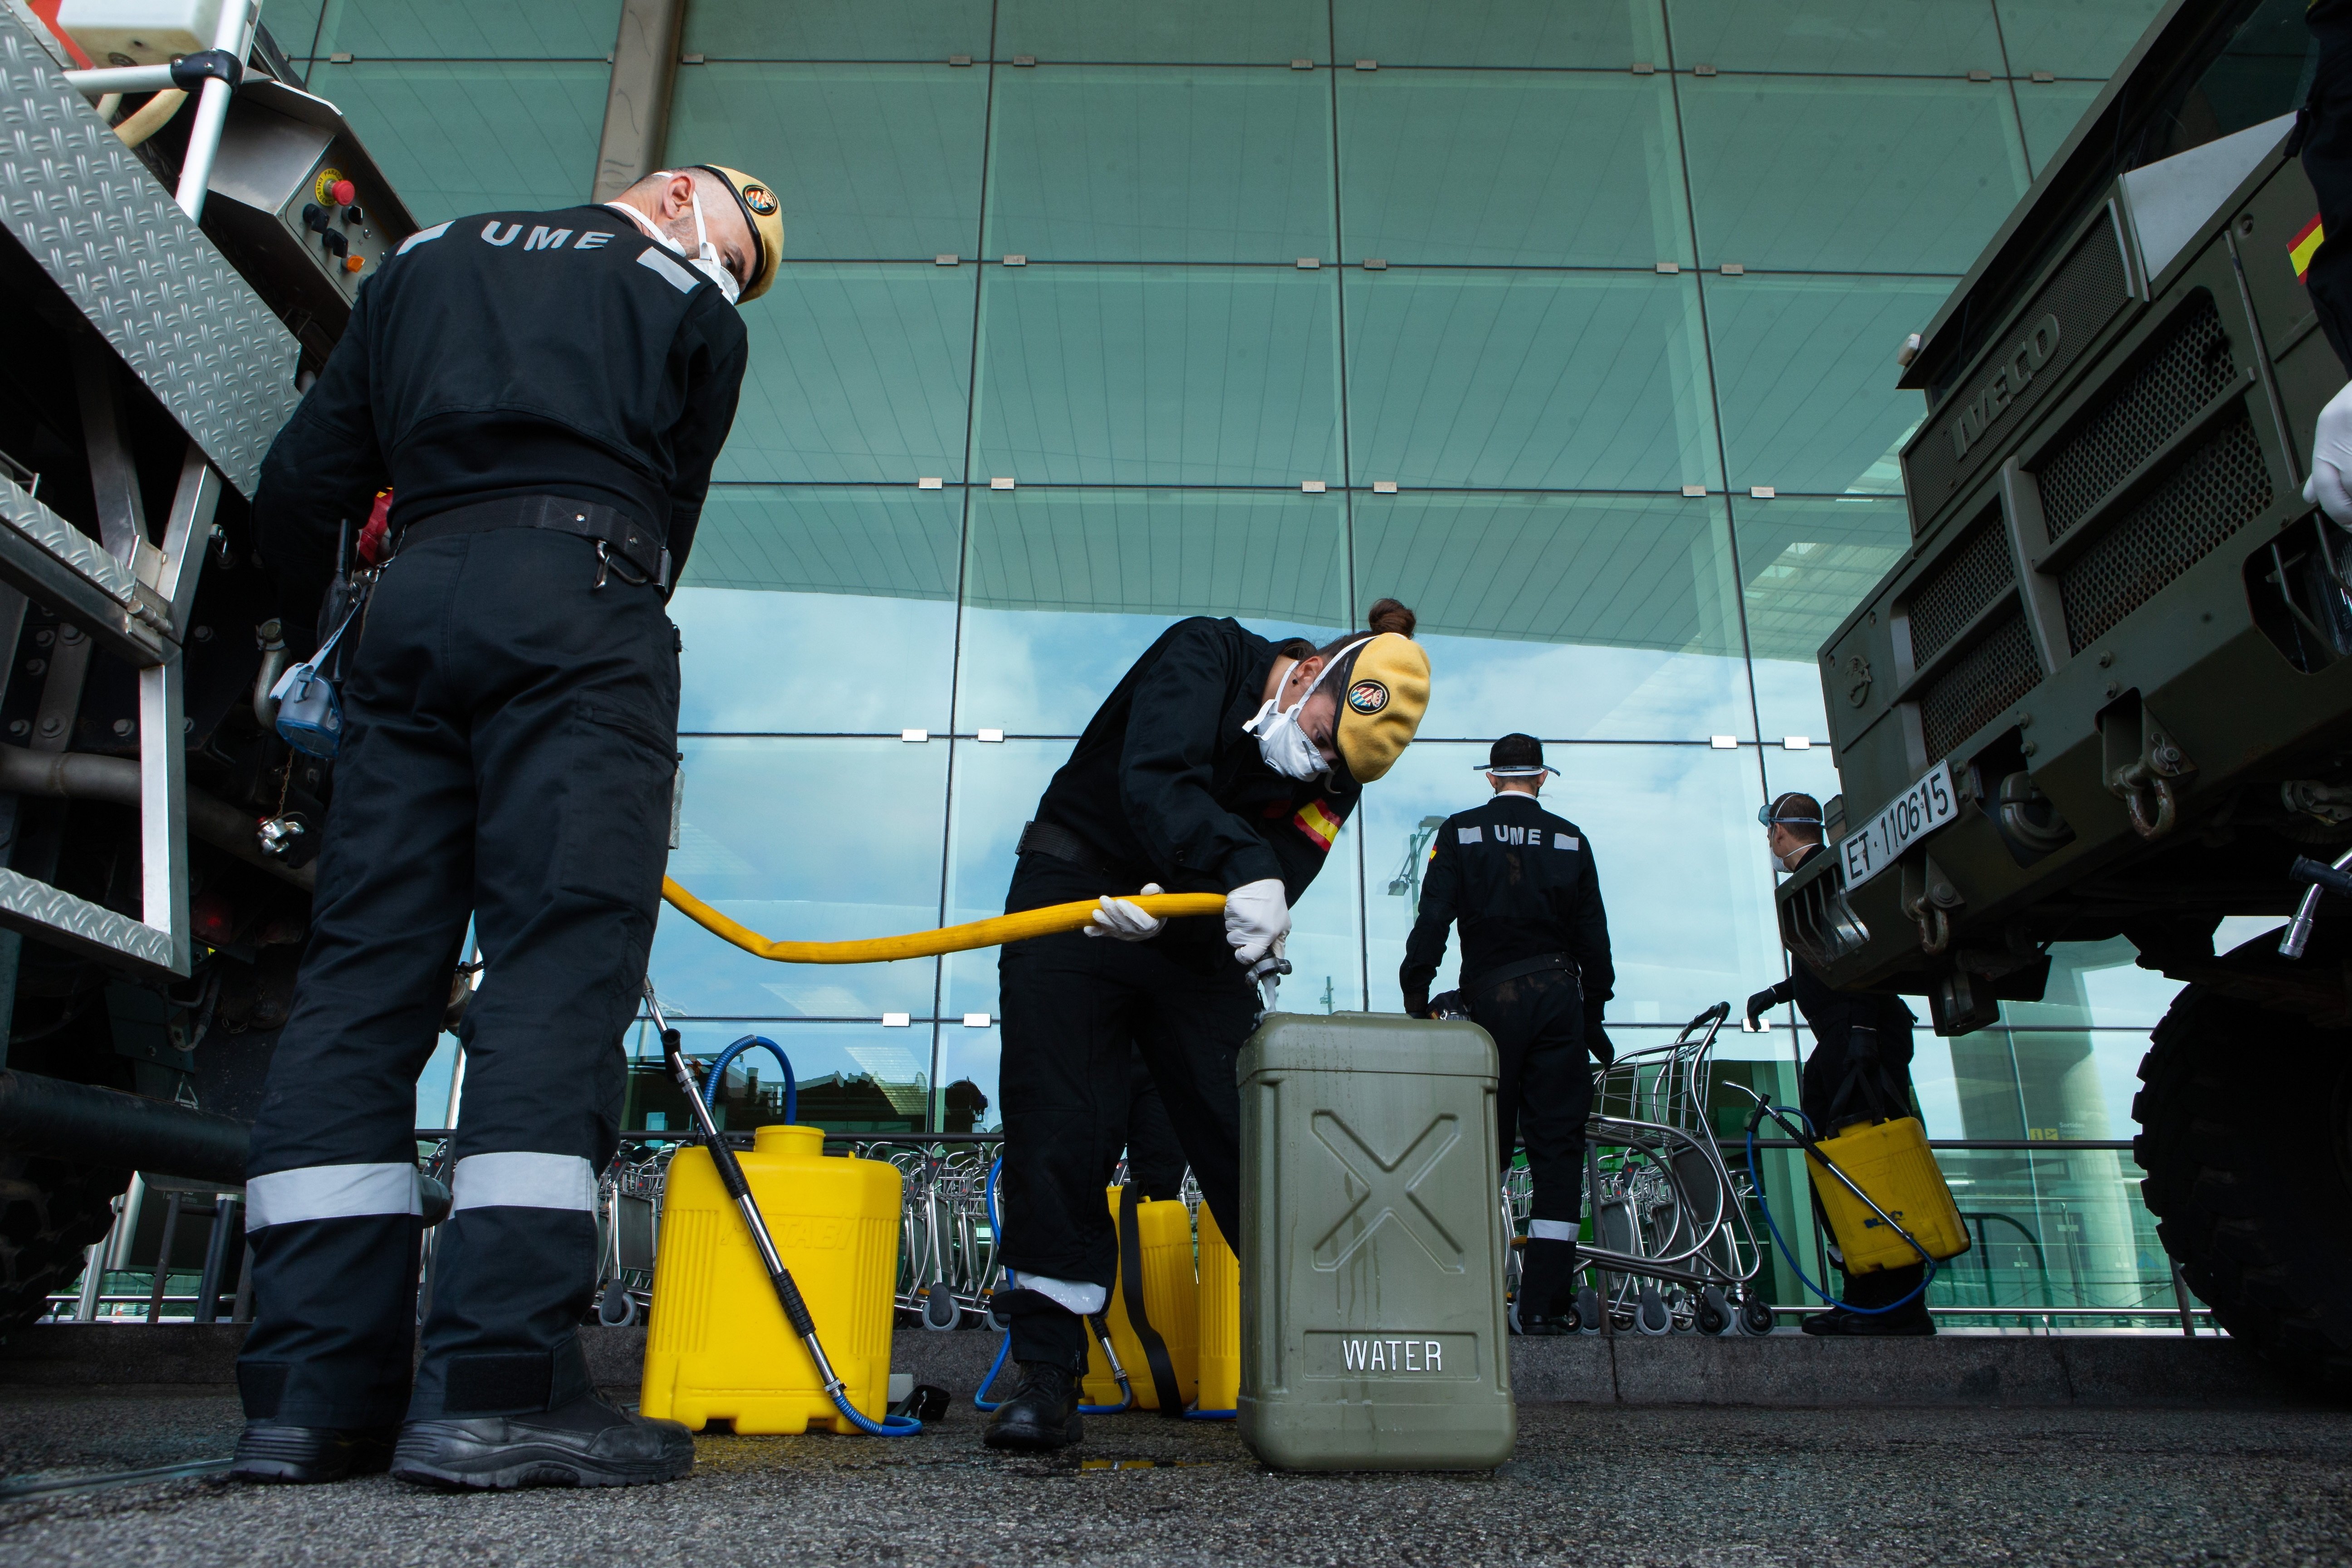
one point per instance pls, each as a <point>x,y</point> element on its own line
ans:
<point>1826,1076</point>
<point>1543,1094</point>
<point>508,753</point>
<point>1075,1009</point>
<point>1155,1156</point>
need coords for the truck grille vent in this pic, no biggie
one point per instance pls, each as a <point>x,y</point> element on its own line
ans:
<point>1980,683</point>
<point>1819,925</point>
<point>1962,584</point>
<point>2192,370</point>
<point>2223,485</point>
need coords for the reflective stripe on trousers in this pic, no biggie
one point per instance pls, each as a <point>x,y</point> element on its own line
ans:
<point>330,1192</point>
<point>523,1181</point>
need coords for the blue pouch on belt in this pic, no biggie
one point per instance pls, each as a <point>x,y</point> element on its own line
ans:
<point>309,713</point>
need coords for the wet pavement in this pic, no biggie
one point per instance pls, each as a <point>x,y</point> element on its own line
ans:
<point>1588,1484</point>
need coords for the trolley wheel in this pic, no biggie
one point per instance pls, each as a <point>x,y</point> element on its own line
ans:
<point>2246,1140</point>
<point>940,1309</point>
<point>616,1308</point>
<point>50,1212</point>
<point>1711,1315</point>
<point>1654,1316</point>
<point>1756,1316</point>
<point>1588,1311</point>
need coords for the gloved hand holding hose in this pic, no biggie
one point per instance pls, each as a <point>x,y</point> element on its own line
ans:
<point>2331,460</point>
<point>1257,916</point>
<point>1122,919</point>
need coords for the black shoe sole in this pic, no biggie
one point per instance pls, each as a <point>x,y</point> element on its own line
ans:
<point>528,1465</point>
<point>1028,1440</point>
<point>290,1456</point>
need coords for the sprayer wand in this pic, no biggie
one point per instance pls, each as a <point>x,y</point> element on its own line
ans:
<point>731,1177</point>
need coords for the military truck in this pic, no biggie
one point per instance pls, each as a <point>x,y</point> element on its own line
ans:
<point>2107,689</point>
<point>164,305</point>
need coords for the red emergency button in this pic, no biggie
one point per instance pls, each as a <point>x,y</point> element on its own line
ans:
<point>345,192</point>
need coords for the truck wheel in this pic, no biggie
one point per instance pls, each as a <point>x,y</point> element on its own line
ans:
<point>2246,1140</point>
<point>49,1212</point>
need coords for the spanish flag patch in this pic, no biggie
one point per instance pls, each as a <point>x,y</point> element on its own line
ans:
<point>2304,246</point>
<point>1316,821</point>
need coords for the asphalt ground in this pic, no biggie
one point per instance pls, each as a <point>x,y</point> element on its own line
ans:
<point>1588,1484</point>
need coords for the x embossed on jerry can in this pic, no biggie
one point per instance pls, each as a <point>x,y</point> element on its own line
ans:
<point>1372,1325</point>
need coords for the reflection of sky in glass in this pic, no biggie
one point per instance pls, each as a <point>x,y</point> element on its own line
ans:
<point>1674,838</point>
<point>819,840</point>
<point>1045,673</point>
<point>1481,688</point>
<point>813,662</point>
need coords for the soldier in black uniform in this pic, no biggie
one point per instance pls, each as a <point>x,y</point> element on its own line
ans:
<point>546,392</point>
<point>1860,1067</point>
<point>1535,975</point>
<point>1223,763</point>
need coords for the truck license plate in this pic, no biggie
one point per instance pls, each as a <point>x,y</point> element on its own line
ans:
<point>1907,819</point>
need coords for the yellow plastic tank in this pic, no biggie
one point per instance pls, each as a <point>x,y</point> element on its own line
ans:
<point>1170,1300</point>
<point>718,1346</point>
<point>1219,1320</point>
<point>1891,1161</point>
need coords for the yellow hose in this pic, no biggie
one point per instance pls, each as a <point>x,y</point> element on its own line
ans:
<point>151,117</point>
<point>1028,923</point>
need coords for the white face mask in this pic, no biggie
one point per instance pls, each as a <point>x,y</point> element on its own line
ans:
<point>1281,742</point>
<point>706,258</point>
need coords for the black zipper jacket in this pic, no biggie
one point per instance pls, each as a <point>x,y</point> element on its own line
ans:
<point>509,354</point>
<point>1164,787</point>
<point>1522,883</point>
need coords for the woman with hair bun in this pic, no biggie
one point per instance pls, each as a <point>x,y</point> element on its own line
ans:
<point>1223,763</point>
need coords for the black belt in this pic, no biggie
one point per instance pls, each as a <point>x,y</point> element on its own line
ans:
<point>614,531</point>
<point>1044,839</point>
<point>1519,971</point>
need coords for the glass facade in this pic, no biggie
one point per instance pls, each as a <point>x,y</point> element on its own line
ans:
<point>1079,299</point>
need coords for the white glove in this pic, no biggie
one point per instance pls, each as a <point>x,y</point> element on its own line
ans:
<point>1256,917</point>
<point>2331,460</point>
<point>1125,921</point>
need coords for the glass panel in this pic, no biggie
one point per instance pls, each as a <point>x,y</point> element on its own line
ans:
<point>1066,588</point>
<point>969,1099</point>
<point>1673,833</point>
<point>1603,617</point>
<point>2072,38</point>
<point>847,1077</point>
<point>878,162</point>
<point>1805,375</point>
<point>2060,1228</point>
<point>858,374</point>
<point>1830,174</point>
<point>1526,33</point>
<point>1527,381</point>
<point>1893,37</point>
<point>294,24</point>
<point>1125,164</point>
<point>1511,169</point>
<point>837,29</point>
<point>997,787</point>
<point>1198,32</point>
<point>817,610</point>
<point>805,840</point>
<point>1807,563</point>
<point>2095,984</point>
<point>464,29</point>
<point>2050,109</point>
<point>1812,769</point>
<point>1158,376</point>
<point>468,138</point>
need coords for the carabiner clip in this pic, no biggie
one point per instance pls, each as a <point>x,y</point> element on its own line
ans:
<point>604,566</point>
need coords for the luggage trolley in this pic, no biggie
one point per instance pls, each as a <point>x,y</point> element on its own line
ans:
<point>1671,1247</point>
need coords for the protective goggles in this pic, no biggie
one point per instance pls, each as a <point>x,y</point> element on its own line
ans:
<point>1764,814</point>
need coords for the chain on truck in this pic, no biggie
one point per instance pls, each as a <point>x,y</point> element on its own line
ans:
<point>183,231</point>
<point>2106,691</point>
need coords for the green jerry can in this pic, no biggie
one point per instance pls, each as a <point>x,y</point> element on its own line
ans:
<point>1372,1324</point>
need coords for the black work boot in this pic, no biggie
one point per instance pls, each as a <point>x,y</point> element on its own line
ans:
<point>1546,1306</point>
<point>301,1456</point>
<point>1042,1414</point>
<point>586,1443</point>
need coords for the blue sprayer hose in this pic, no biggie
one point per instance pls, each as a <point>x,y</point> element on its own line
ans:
<point>1778,1240</point>
<point>979,1395</point>
<point>726,1058</point>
